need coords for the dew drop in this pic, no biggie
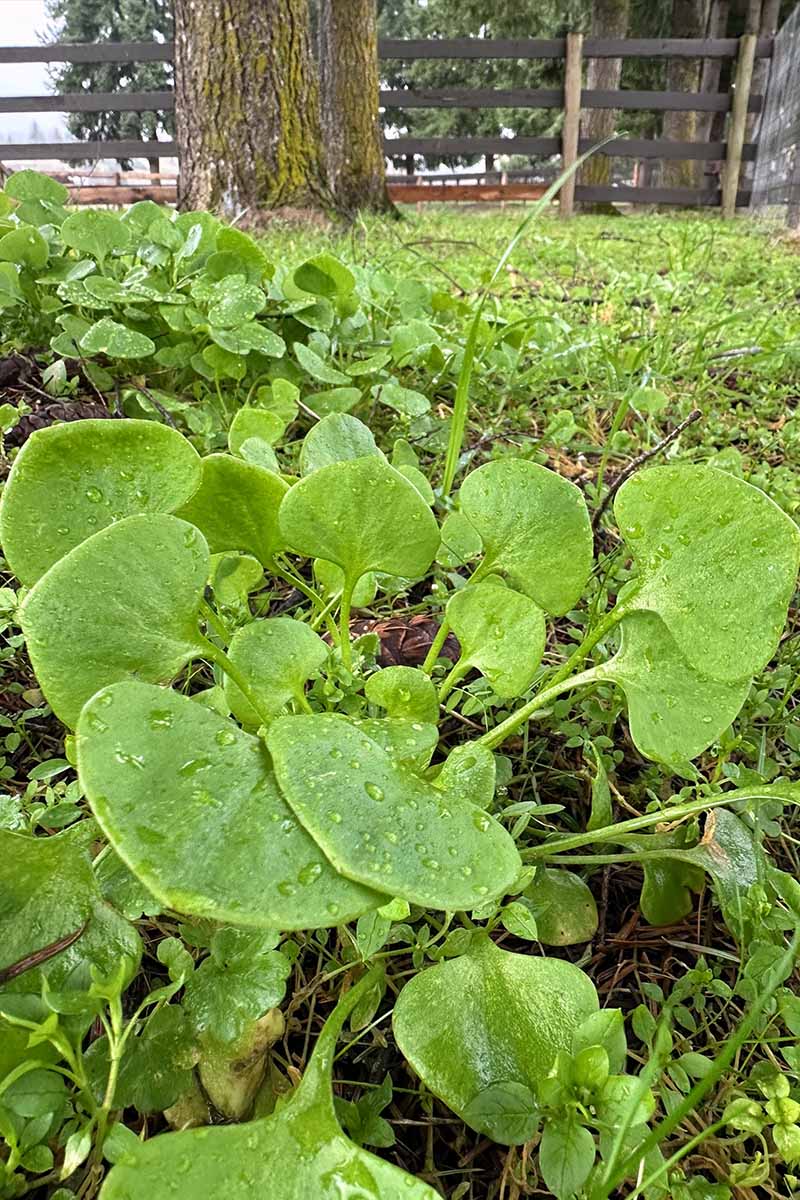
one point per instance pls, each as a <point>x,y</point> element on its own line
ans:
<point>95,723</point>
<point>192,767</point>
<point>481,822</point>
<point>334,753</point>
<point>334,816</point>
<point>94,495</point>
<point>130,760</point>
<point>286,888</point>
<point>431,863</point>
<point>309,873</point>
<point>374,792</point>
<point>225,737</point>
<point>160,718</point>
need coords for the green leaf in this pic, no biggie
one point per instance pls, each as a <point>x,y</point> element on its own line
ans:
<point>717,562</point>
<point>236,507</point>
<point>325,275</point>
<point>428,848</point>
<point>566,1156</point>
<point>564,907</point>
<point>156,1068</point>
<point>404,692</point>
<point>277,657</point>
<point>469,771</point>
<point>235,301</point>
<point>254,423</point>
<point>71,480</point>
<point>11,293</point>
<point>602,812</point>
<point>535,530</point>
<point>505,1112</point>
<point>117,341</point>
<point>409,742</point>
<point>362,1120</point>
<point>363,516</point>
<point>333,400</point>
<point>489,1018</point>
<point>25,246</point>
<point>241,979</point>
<point>190,803</point>
<point>519,919</point>
<point>605,1028</point>
<point>124,603</point>
<point>48,891</point>
<point>406,401</point>
<point>330,580</point>
<point>33,185</point>
<point>233,577</point>
<point>415,477</point>
<point>247,336</point>
<point>336,438</point>
<point>316,367</point>
<point>502,634</point>
<point>674,711</point>
<point>96,233</point>
<point>298,1153</point>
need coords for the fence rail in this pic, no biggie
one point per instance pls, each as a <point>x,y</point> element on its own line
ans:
<point>571,101</point>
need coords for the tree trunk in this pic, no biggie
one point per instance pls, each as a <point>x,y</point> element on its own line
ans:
<point>247,106</point>
<point>348,55</point>
<point>768,27</point>
<point>609,20</point>
<point>709,78</point>
<point>683,75</point>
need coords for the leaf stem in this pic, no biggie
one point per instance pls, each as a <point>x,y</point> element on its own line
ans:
<point>218,656</point>
<point>458,671</point>
<point>216,622</point>
<point>344,624</point>
<point>438,642</point>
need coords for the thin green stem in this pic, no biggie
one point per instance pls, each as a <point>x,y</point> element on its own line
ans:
<point>436,648</point>
<point>457,673</point>
<point>216,622</point>
<point>344,624</point>
<point>218,656</point>
<point>511,724</point>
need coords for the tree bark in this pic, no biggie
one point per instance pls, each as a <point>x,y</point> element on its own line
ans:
<point>609,20</point>
<point>767,27</point>
<point>683,75</point>
<point>710,74</point>
<point>348,56</point>
<point>247,106</point>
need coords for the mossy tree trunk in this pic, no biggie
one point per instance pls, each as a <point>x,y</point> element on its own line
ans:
<point>609,20</point>
<point>349,84</point>
<point>683,75</point>
<point>247,106</point>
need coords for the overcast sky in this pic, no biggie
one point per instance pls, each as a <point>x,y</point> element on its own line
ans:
<point>24,23</point>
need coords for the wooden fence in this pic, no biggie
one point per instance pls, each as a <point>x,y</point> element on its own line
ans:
<point>571,98</point>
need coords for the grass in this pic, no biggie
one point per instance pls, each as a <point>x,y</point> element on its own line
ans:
<point>625,329</point>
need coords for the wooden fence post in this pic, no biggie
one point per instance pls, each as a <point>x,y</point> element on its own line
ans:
<point>738,123</point>
<point>572,119</point>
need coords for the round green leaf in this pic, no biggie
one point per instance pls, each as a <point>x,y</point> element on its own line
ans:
<point>404,692</point>
<point>717,561</point>
<point>236,507</point>
<point>502,634</point>
<point>25,246</point>
<point>124,603</point>
<point>234,576</point>
<point>382,825</point>
<point>469,772</point>
<point>277,656</point>
<point>330,580</point>
<point>336,438</point>
<point>535,530</point>
<point>674,711</point>
<point>32,185</point>
<point>254,423</point>
<point>189,802</point>
<point>564,908</point>
<point>489,1018</point>
<point>299,1153</point>
<point>363,516</point>
<point>117,341</point>
<point>71,480</point>
<point>95,232</point>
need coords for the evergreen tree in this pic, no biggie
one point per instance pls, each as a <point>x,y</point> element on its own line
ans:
<point>112,21</point>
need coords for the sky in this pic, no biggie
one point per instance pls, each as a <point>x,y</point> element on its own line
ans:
<point>24,23</point>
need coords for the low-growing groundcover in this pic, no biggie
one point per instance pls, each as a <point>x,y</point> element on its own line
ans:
<point>516,916</point>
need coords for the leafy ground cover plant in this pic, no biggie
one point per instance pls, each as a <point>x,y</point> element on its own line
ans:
<point>255,782</point>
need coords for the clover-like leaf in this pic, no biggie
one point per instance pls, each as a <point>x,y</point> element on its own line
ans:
<point>317,367</point>
<point>71,480</point>
<point>277,657</point>
<point>717,562</point>
<point>122,604</point>
<point>96,232</point>
<point>234,576</point>
<point>336,438</point>
<point>383,826</point>
<point>33,185</point>
<point>675,712</point>
<point>325,275</point>
<point>298,1153</point>
<point>501,633</point>
<point>190,803</point>
<point>489,1018</point>
<point>535,530</point>
<point>563,906</point>
<point>236,507</point>
<point>117,341</point>
<point>48,892</point>
<point>363,516</point>
<point>404,692</point>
